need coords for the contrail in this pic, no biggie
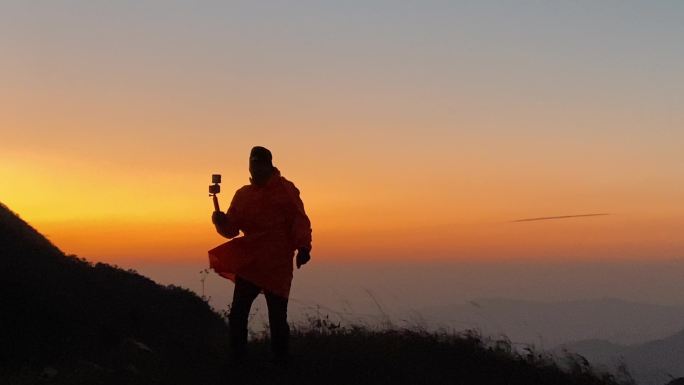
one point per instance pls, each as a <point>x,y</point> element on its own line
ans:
<point>559,217</point>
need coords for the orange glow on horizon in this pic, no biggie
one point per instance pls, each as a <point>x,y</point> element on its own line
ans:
<point>615,238</point>
<point>117,213</point>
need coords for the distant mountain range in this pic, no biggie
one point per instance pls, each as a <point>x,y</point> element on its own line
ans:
<point>651,363</point>
<point>549,324</point>
<point>648,338</point>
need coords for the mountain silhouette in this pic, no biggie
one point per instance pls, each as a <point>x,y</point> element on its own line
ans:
<point>57,308</point>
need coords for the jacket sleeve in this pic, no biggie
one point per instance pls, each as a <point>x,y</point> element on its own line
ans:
<point>301,225</point>
<point>231,227</point>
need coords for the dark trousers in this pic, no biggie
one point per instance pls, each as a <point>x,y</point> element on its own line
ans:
<point>243,295</point>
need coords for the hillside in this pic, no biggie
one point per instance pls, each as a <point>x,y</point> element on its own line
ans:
<point>67,321</point>
<point>60,310</point>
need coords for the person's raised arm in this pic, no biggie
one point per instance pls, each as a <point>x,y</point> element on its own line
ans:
<point>228,223</point>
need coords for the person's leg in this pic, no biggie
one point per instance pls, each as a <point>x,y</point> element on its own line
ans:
<point>243,295</point>
<point>277,319</point>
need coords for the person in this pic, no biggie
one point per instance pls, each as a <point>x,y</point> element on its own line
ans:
<point>270,213</point>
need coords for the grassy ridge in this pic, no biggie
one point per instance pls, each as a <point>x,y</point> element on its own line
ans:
<point>355,355</point>
<point>358,355</point>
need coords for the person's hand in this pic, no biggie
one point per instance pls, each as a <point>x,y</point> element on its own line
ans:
<point>303,256</point>
<point>218,217</point>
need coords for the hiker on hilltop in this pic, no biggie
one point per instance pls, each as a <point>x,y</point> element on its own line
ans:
<point>271,216</point>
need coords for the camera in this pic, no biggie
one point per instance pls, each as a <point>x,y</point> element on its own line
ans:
<point>215,188</point>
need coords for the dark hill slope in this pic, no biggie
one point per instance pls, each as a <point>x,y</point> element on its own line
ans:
<point>61,309</point>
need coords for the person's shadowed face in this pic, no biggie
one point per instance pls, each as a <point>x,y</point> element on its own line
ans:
<point>260,171</point>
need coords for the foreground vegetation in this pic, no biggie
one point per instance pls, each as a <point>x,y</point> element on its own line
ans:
<point>358,355</point>
<point>352,355</point>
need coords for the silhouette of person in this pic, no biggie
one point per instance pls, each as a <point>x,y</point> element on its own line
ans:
<point>271,216</point>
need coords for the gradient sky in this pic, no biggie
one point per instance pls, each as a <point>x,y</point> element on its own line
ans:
<point>415,130</point>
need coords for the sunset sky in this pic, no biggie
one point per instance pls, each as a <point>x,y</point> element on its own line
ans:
<point>414,130</point>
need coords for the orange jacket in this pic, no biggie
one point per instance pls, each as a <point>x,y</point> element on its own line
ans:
<point>274,224</point>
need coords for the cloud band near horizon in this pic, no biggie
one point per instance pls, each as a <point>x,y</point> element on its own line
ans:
<point>560,217</point>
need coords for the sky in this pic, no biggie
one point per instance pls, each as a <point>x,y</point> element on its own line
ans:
<point>416,131</point>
